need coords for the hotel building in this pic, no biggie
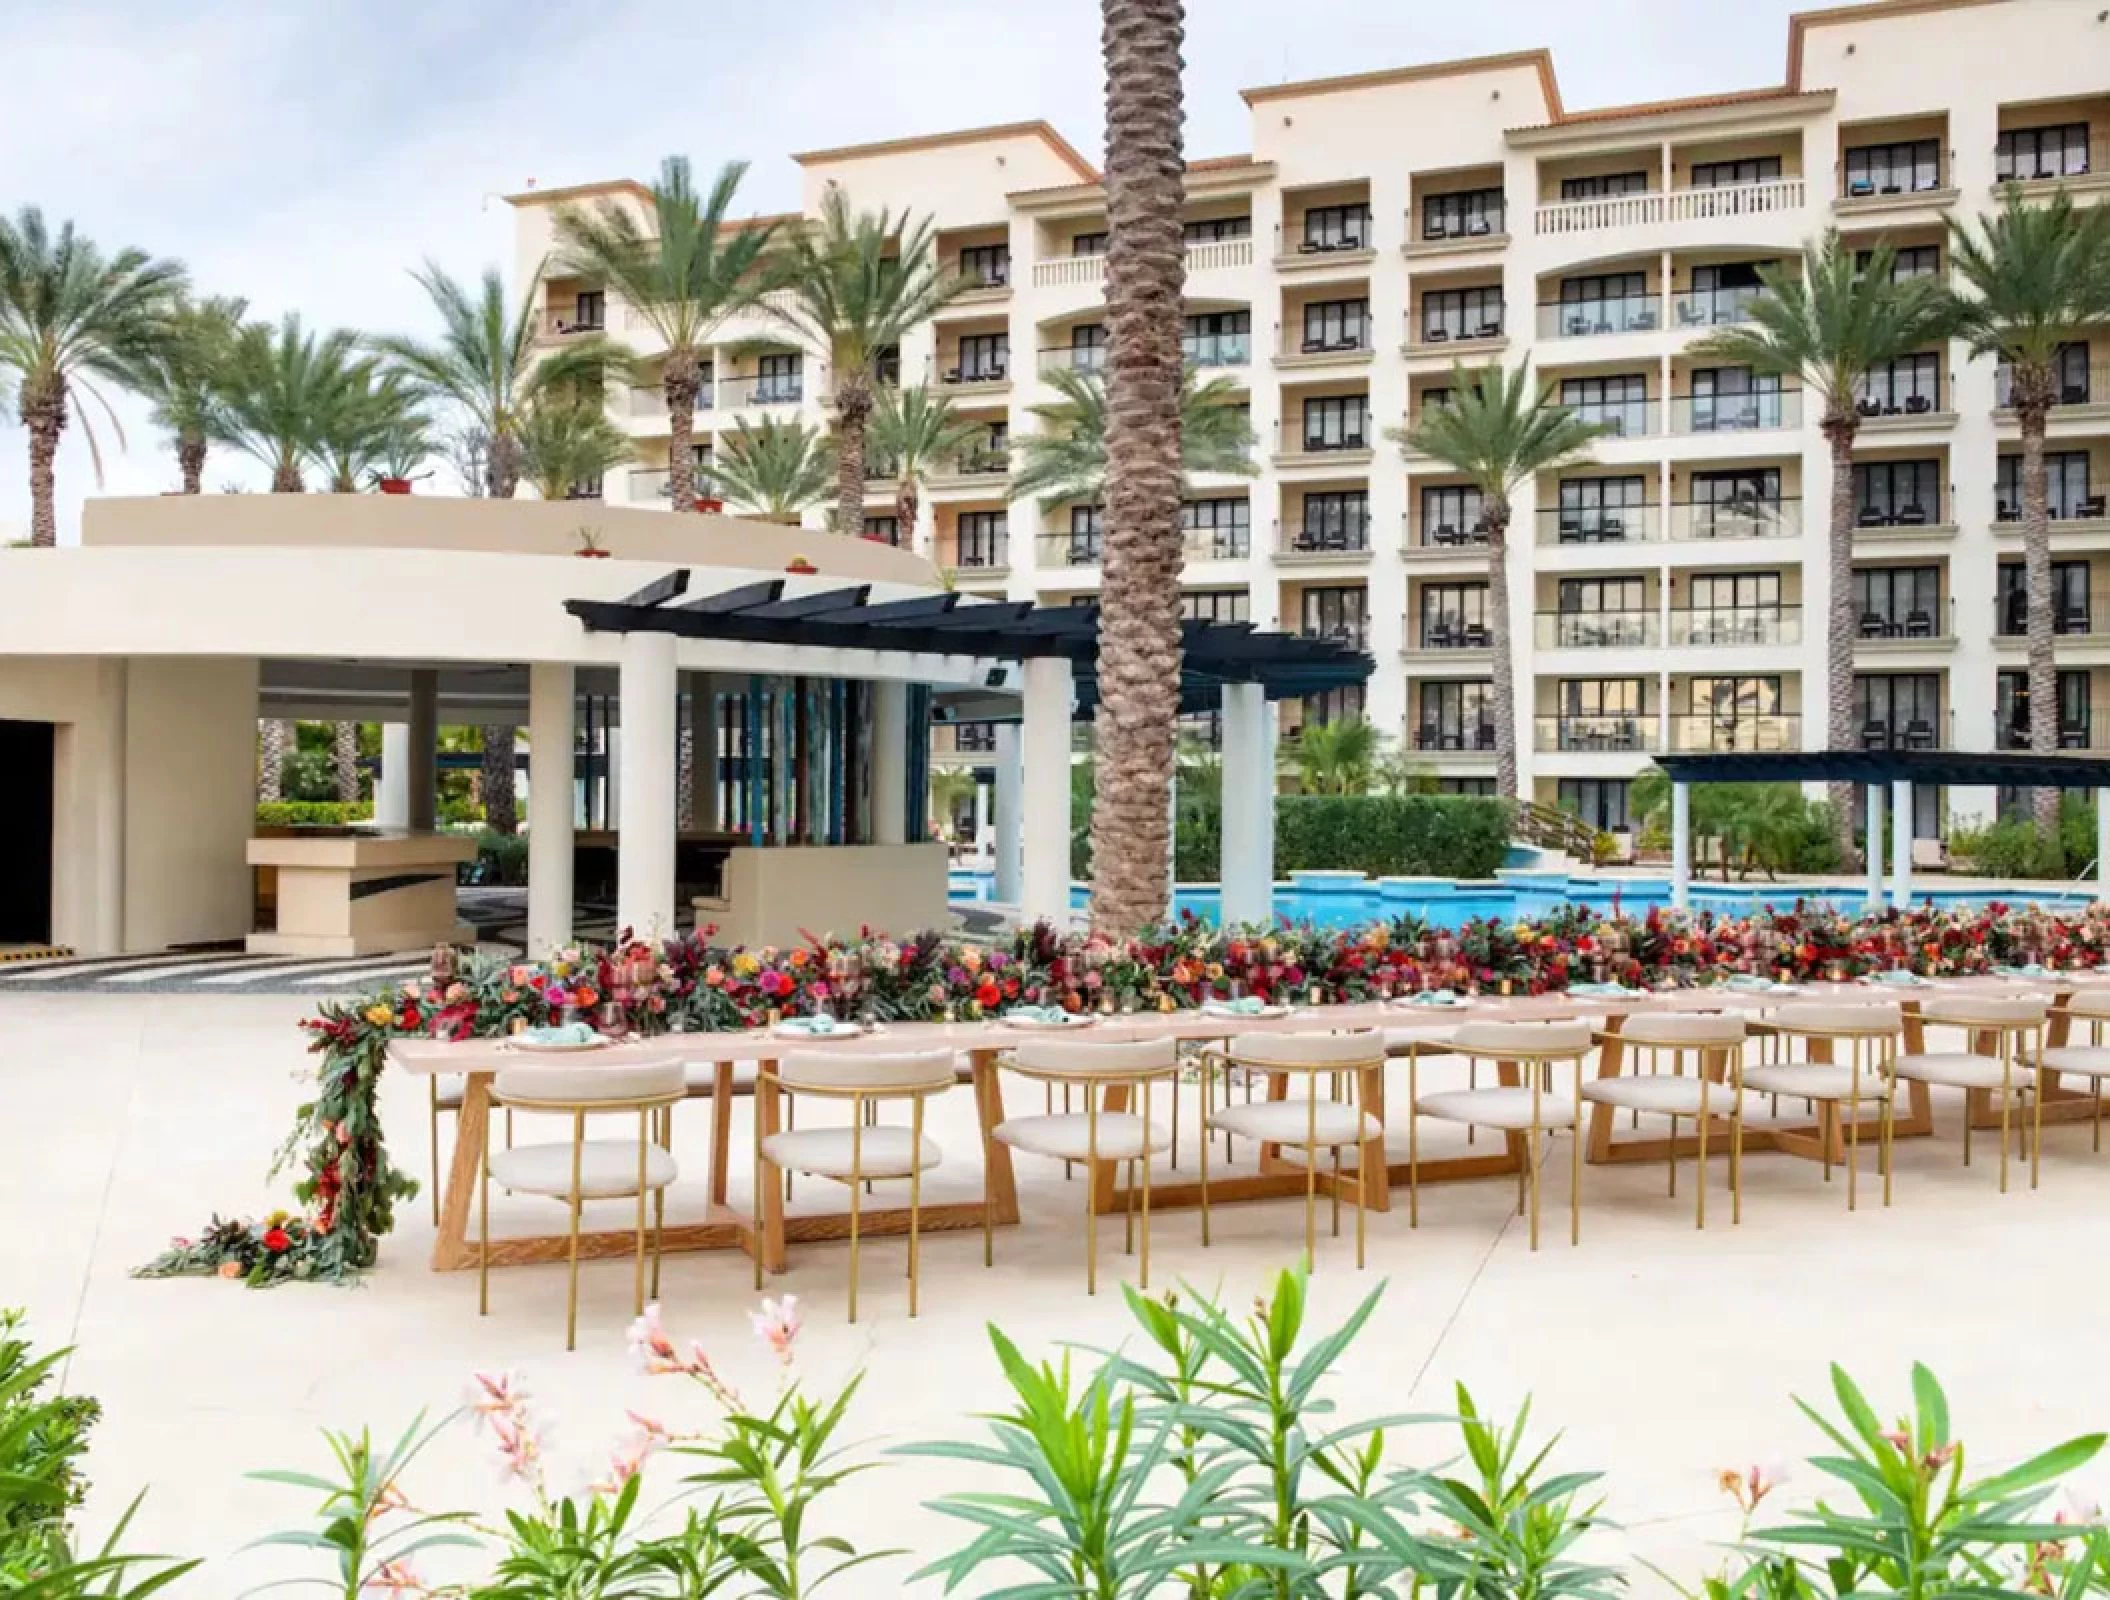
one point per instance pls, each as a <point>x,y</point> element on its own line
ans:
<point>1670,593</point>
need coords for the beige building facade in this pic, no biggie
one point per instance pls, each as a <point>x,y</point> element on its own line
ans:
<point>1669,594</point>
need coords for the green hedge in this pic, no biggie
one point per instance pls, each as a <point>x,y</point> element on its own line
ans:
<point>312,813</point>
<point>500,858</point>
<point>2013,848</point>
<point>1448,836</point>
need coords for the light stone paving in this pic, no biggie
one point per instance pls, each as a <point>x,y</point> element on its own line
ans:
<point>1664,1353</point>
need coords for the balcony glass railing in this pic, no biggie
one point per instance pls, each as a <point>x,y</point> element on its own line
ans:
<point>2065,503</point>
<point>1072,358</point>
<point>1434,533</point>
<point>1935,621</point>
<point>1582,319</point>
<point>1729,731</point>
<point>1736,413</point>
<point>1439,736</point>
<point>1620,419</point>
<point>1449,328</point>
<point>1713,308</point>
<point>1909,514</point>
<point>975,555</point>
<point>1598,524</point>
<point>1617,731</point>
<point>1217,350</point>
<point>1736,519</point>
<point>771,390</point>
<point>2072,613</point>
<point>1321,436</point>
<point>1323,538</point>
<point>1736,625</point>
<point>1451,633</point>
<point>1080,549</point>
<point>1930,732</point>
<point>1597,630</point>
<point>2089,731</point>
<point>2071,386</point>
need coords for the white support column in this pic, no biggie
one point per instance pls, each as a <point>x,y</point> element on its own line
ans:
<point>1248,851</point>
<point>2102,844</point>
<point>981,819</point>
<point>1680,845</point>
<point>644,880</point>
<point>890,763</point>
<point>550,703</point>
<point>392,783</point>
<point>1007,820</point>
<point>422,769</point>
<point>1044,803</point>
<point>1874,850</point>
<point>1900,843</point>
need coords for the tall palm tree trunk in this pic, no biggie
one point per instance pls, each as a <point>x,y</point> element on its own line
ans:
<point>43,409</point>
<point>1505,692</point>
<point>344,758</point>
<point>1139,629</point>
<point>1842,626</point>
<point>2032,401</point>
<point>190,460</point>
<point>502,465</point>
<point>853,410</point>
<point>906,504</point>
<point>681,385</point>
<point>273,743</point>
<point>501,801</point>
<point>286,479</point>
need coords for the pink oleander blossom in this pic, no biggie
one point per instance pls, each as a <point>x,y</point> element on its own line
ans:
<point>399,1579</point>
<point>776,1324</point>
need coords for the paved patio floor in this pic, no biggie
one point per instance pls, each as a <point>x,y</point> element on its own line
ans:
<point>1664,1353</point>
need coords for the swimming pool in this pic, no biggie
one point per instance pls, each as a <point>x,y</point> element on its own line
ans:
<point>1342,899</point>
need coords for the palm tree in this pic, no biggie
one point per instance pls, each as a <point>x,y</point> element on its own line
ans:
<point>1830,326</point>
<point>284,387</point>
<point>1066,457</point>
<point>1337,757</point>
<point>912,429</point>
<point>1499,429</point>
<point>858,283</point>
<point>185,376</point>
<point>949,787</point>
<point>369,422</point>
<point>485,362</point>
<point>2033,278</point>
<point>69,314</point>
<point>563,443</point>
<point>775,469</point>
<point>683,277</point>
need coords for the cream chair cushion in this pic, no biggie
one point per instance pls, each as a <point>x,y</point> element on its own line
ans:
<point>1140,1058</point>
<point>1982,1011</point>
<point>1665,1093</point>
<point>1683,1030</point>
<point>2090,1000</point>
<point>1814,1080</point>
<point>1363,1047</point>
<point>1512,1041</point>
<point>589,1083</point>
<point>1870,1021</point>
<point>1292,1122</point>
<point>1962,1069</point>
<point>1508,1108</point>
<point>883,1152</point>
<point>900,1072</point>
<point>2090,1061</point>
<point>1068,1137</point>
<point>607,1169</point>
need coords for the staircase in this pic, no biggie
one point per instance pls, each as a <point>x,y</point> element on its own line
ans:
<point>1550,828</point>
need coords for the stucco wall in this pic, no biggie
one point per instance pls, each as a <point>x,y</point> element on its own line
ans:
<point>778,896</point>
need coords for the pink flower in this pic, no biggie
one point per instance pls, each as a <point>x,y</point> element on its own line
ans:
<point>399,1579</point>
<point>777,1325</point>
<point>649,1345</point>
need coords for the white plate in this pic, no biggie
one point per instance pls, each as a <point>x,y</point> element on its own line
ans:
<point>550,1048</point>
<point>1264,1014</point>
<point>1081,1019</point>
<point>1407,1004</point>
<point>842,1030</point>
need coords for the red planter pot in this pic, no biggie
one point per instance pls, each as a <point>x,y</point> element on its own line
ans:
<point>395,486</point>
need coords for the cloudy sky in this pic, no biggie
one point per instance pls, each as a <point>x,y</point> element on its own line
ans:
<point>303,153</point>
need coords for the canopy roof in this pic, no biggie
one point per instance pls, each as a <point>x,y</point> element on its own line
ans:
<point>1959,768</point>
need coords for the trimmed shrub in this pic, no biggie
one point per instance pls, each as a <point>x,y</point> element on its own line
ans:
<point>2013,848</point>
<point>501,858</point>
<point>312,813</point>
<point>1435,835</point>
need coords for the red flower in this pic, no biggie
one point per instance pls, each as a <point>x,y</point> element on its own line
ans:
<point>986,994</point>
<point>277,1241</point>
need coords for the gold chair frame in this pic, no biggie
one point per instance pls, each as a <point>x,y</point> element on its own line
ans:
<point>1537,1066</point>
<point>1733,1061</point>
<point>2011,1033</point>
<point>1883,1050</point>
<point>2096,1021</point>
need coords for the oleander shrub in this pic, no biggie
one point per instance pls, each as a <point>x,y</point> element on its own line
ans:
<point>312,813</point>
<point>43,1438</point>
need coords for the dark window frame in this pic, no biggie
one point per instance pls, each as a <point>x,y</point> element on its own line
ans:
<point>1340,324</point>
<point>1337,227</point>
<point>1604,185</point>
<point>1765,169</point>
<point>986,266</point>
<point>1465,214</point>
<point>1337,422</point>
<point>1457,314</point>
<point>1908,161</point>
<point>2072,152</point>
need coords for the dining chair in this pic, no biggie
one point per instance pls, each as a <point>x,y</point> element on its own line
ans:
<point>1713,1048</point>
<point>1094,1134</point>
<point>865,1150</point>
<point>2091,1060</point>
<point>1319,1122</point>
<point>2014,1031</point>
<point>581,1169</point>
<point>1870,1034</point>
<point>1530,1109</point>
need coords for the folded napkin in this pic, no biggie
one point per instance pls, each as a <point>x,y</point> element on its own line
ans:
<point>1606,991</point>
<point>2033,970</point>
<point>817,1026</point>
<point>1244,1006</point>
<point>560,1034</point>
<point>1433,997</point>
<point>1041,1014</point>
<point>1752,983</point>
<point>1903,979</point>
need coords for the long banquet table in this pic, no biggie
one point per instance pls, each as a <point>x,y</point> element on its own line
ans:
<point>983,1043</point>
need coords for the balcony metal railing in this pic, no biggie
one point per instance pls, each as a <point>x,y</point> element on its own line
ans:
<point>1621,419</point>
<point>1912,622</point>
<point>1437,736</point>
<point>2072,614</point>
<point>1450,633</point>
<point>1078,549</point>
<point>1443,329</point>
<point>1583,319</point>
<point>1621,732</point>
<point>2091,732</point>
<point>1736,413</point>
<point>1736,519</point>
<point>761,391</point>
<point>2087,386</point>
<point>1679,205</point>
<point>1597,630</point>
<point>1908,733</point>
<point>1302,436</point>
<point>2032,168</point>
<point>1712,308</point>
<point>1598,525</point>
<point>975,555</point>
<point>1433,533</point>
<point>1736,625</point>
<point>1726,731</point>
<point>1324,538</point>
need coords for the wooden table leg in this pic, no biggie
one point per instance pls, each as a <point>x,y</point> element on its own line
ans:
<point>721,1129</point>
<point>451,1249</point>
<point>1370,1153</point>
<point>768,1114</point>
<point>1001,1177</point>
<point>1611,1058</point>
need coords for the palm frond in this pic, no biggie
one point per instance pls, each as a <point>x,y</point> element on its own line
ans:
<point>286,386</point>
<point>563,443</point>
<point>1064,458</point>
<point>913,428</point>
<point>1499,428</point>
<point>2030,278</point>
<point>775,469</point>
<point>858,282</point>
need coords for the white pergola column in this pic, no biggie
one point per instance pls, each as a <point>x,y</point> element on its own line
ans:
<point>1044,748</point>
<point>1248,852</point>
<point>550,701</point>
<point>981,819</point>
<point>644,875</point>
<point>1900,843</point>
<point>1007,819</point>
<point>392,782</point>
<point>890,763</point>
<point>421,770</point>
<point>1874,850</point>
<point>2102,844</point>
<point>1680,845</point>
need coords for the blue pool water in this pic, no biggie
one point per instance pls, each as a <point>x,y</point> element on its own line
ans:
<point>1343,899</point>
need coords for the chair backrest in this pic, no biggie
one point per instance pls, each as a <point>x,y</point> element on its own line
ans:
<point>1683,1030</point>
<point>1058,1058</point>
<point>2092,1001</point>
<point>855,1072</point>
<point>1984,1011</point>
<point>1309,1052</point>
<point>580,1086</point>
<point>1523,1041</point>
<point>1839,1021</point>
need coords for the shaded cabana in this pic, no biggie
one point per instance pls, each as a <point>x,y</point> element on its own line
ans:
<point>1896,771</point>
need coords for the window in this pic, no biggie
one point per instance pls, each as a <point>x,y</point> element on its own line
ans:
<point>2065,486</point>
<point>1733,608</point>
<point>1603,697</point>
<point>2060,151</point>
<point>1599,802</point>
<point>1725,713</point>
<point>1336,325</point>
<point>1898,602</point>
<point>2076,714</point>
<point>1482,788</point>
<point>1455,716</point>
<point>1336,519</point>
<point>1088,347</point>
<point>1088,244</point>
<point>586,488</point>
<point>1336,228</point>
<point>1912,261</point>
<point>1216,605</point>
<point>1619,404</point>
<point>778,379</point>
<point>1603,185</point>
<point>2070,608</point>
<point>1336,613</point>
<point>984,358</point>
<point>1912,165</point>
<point>1898,710</point>
<point>589,312</point>
<point>987,266</point>
<point>973,737</point>
<point>1087,535</point>
<point>1337,422</point>
<point>1727,174</point>
<point>1897,493</point>
<point>883,530</point>
<point>1470,214</point>
<point>1731,399</point>
<point>1596,509</point>
<point>886,366</point>
<point>1612,302</point>
<point>1335,705</point>
<point>1217,339</point>
<point>1454,616</point>
<point>1728,499</point>
<point>2070,384</point>
<point>1720,293</point>
<point>1461,314</point>
<point>1209,230</point>
<point>981,537</point>
<point>1907,384</point>
<point>1595,612</point>
<point>1448,512</point>
<point>1602,714</point>
<point>1223,525</point>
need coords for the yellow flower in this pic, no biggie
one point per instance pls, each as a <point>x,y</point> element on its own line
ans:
<point>378,1015</point>
<point>746,965</point>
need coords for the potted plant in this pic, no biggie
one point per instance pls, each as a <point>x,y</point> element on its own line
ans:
<point>590,546</point>
<point>801,566</point>
<point>706,503</point>
<point>404,448</point>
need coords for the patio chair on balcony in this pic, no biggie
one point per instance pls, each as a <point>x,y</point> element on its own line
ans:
<point>2072,736</point>
<point>2073,619</point>
<point>2091,508</point>
<point>1437,635</point>
<point>1919,735</point>
<point>1874,626</point>
<point>1872,517</point>
<point>2003,512</point>
<point>1488,330</point>
<point>1436,336</point>
<point>1919,625</point>
<point>1918,405</point>
<point>1484,736</point>
<point>2073,394</point>
<point>1875,736</point>
<point>1912,516</point>
<point>1868,407</point>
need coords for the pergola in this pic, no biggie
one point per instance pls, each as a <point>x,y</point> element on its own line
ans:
<point>1042,663</point>
<point>1899,771</point>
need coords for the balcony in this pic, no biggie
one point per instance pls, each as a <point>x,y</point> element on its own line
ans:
<point>1309,441</point>
<point>643,401</point>
<point>554,327</point>
<point>1598,525</point>
<point>1597,630</point>
<point>1619,734</point>
<point>2076,390</point>
<point>1210,255</point>
<point>1487,231</point>
<point>1441,535</point>
<point>955,377</point>
<point>2073,615</point>
<point>1350,540</point>
<point>1743,626</point>
<point>1736,413</point>
<point>1212,350</point>
<point>1726,732</point>
<point>1736,519</point>
<point>1623,211</point>
<point>1352,635</point>
<point>1448,335</point>
<point>1914,733</point>
<point>637,319</point>
<point>971,469</point>
<point>1451,633</point>
<point>1071,358</point>
<point>1351,351</point>
<point>1884,413</point>
<point>2041,171</point>
<point>1350,246</point>
<point>2064,506</point>
<point>1622,419</point>
<point>977,555</point>
<point>1438,737</point>
<point>1713,308</point>
<point>1887,628</point>
<point>1584,319</point>
<point>1088,549</point>
<point>764,391</point>
<point>1904,518</point>
<point>2090,732</point>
